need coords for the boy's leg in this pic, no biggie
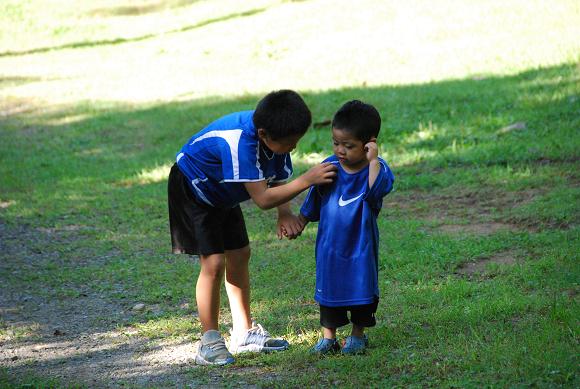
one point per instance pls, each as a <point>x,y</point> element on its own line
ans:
<point>207,291</point>
<point>246,335</point>
<point>328,344</point>
<point>357,342</point>
<point>330,319</point>
<point>362,316</point>
<point>358,331</point>
<point>329,333</point>
<point>238,287</point>
<point>212,348</point>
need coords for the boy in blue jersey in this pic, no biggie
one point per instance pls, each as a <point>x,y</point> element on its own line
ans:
<point>237,157</point>
<point>347,242</point>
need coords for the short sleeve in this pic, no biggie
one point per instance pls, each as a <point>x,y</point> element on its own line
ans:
<point>382,186</point>
<point>311,207</point>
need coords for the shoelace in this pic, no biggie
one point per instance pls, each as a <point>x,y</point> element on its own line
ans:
<point>217,345</point>
<point>258,330</point>
<point>257,335</point>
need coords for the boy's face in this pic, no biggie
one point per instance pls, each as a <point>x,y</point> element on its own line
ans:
<point>279,146</point>
<point>349,150</point>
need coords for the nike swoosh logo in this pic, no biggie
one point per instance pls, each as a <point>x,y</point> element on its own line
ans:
<point>342,202</point>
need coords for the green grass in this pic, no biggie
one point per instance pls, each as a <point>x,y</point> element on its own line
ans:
<point>87,178</point>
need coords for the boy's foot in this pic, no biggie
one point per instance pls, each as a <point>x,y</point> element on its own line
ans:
<point>325,346</point>
<point>212,350</point>
<point>355,345</point>
<point>256,339</point>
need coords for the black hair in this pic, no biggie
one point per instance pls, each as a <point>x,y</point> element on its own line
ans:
<point>282,114</point>
<point>359,119</point>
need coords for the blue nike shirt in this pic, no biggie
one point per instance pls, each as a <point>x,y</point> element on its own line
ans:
<point>347,243</point>
<point>219,159</point>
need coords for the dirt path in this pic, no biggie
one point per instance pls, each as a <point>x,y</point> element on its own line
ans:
<point>76,340</point>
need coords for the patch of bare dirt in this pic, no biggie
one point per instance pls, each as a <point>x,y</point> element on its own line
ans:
<point>476,228</point>
<point>479,208</point>
<point>478,268</point>
<point>80,339</point>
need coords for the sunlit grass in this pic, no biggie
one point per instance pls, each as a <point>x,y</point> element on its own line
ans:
<point>300,45</point>
<point>151,176</point>
<point>18,333</point>
<point>174,326</point>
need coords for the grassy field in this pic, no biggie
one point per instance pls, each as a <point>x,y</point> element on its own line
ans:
<point>479,241</point>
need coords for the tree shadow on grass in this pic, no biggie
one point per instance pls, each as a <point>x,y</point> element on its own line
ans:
<point>90,173</point>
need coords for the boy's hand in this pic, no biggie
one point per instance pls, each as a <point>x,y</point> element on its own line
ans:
<point>372,150</point>
<point>321,174</point>
<point>289,226</point>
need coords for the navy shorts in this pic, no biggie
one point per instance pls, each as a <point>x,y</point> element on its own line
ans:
<point>360,315</point>
<point>198,228</point>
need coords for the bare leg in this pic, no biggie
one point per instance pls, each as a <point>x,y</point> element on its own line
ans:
<point>329,333</point>
<point>238,287</point>
<point>207,290</point>
<point>357,331</point>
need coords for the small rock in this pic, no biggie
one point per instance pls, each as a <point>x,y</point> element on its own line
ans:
<point>58,332</point>
<point>14,358</point>
<point>512,127</point>
<point>184,306</point>
<point>139,307</point>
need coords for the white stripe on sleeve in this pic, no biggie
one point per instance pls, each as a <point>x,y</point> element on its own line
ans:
<point>232,137</point>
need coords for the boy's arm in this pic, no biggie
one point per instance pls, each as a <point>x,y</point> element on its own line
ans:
<point>374,164</point>
<point>288,224</point>
<point>267,198</point>
<point>303,220</point>
<point>380,177</point>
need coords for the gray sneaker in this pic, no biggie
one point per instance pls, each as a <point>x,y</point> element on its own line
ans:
<point>256,339</point>
<point>212,350</point>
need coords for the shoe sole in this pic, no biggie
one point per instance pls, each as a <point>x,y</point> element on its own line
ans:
<point>254,348</point>
<point>199,360</point>
<point>330,351</point>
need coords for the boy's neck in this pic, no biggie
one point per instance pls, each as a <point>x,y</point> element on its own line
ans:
<point>355,169</point>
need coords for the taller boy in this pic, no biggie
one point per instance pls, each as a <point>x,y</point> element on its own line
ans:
<point>239,156</point>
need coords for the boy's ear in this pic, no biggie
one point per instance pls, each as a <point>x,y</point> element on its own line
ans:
<point>261,133</point>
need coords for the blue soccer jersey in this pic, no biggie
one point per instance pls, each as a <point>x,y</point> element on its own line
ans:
<point>347,244</point>
<point>221,157</point>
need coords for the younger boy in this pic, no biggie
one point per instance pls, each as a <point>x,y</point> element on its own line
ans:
<point>237,157</point>
<point>347,243</point>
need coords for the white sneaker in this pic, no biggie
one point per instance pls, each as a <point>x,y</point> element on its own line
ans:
<point>256,340</point>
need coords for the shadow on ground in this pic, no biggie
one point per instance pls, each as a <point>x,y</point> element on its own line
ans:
<point>93,163</point>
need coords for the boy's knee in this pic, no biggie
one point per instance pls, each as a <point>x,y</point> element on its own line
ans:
<point>238,255</point>
<point>213,266</point>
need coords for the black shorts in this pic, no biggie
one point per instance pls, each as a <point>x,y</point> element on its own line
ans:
<point>361,315</point>
<point>198,228</point>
